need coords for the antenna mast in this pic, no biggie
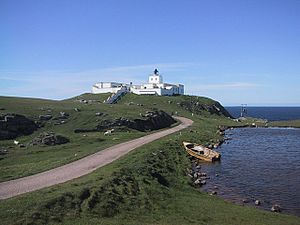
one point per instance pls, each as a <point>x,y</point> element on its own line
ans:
<point>243,110</point>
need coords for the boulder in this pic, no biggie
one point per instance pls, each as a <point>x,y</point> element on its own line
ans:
<point>276,208</point>
<point>245,200</point>
<point>49,138</point>
<point>257,202</point>
<point>213,193</point>
<point>45,117</point>
<point>15,125</point>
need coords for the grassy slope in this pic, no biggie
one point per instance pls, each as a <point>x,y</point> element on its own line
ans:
<point>147,186</point>
<point>25,161</point>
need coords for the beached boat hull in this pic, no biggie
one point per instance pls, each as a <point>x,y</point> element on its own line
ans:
<point>210,157</point>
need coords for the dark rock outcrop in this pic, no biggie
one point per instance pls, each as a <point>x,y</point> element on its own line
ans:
<point>45,117</point>
<point>49,138</point>
<point>153,121</point>
<point>14,125</point>
<point>196,107</point>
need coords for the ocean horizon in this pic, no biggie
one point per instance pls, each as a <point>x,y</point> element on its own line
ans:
<point>271,113</point>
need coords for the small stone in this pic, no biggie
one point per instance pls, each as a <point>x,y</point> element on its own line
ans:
<point>245,200</point>
<point>257,202</point>
<point>216,187</point>
<point>213,193</point>
<point>276,208</point>
<point>197,182</point>
<point>202,182</point>
<point>45,117</point>
<point>217,175</point>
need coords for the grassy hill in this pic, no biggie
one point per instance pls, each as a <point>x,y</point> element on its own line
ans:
<point>148,186</point>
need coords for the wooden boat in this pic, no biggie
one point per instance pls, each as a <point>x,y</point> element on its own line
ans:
<point>201,152</point>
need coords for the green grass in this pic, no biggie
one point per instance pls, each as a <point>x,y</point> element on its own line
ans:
<point>21,162</point>
<point>33,159</point>
<point>288,123</point>
<point>146,186</point>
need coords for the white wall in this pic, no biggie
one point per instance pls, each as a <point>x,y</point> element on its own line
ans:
<point>96,90</point>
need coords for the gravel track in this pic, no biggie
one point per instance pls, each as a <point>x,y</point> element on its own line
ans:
<point>82,166</point>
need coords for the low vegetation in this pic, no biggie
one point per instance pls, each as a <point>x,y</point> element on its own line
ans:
<point>147,186</point>
<point>288,123</point>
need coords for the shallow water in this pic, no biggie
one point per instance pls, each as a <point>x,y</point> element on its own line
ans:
<point>259,163</point>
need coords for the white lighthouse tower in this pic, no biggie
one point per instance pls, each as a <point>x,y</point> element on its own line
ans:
<point>155,78</point>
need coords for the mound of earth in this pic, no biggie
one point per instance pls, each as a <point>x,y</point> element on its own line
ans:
<point>15,125</point>
<point>49,138</point>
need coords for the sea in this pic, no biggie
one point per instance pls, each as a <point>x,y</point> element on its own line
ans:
<point>259,163</point>
<point>269,113</point>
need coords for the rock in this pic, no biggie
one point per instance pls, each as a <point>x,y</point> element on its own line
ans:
<point>154,120</point>
<point>217,175</point>
<point>45,117</point>
<point>22,146</point>
<point>3,151</point>
<point>15,125</point>
<point>77,110</point>
<point>63,114</point>
<point>98,113</point>
<point>195,175</point>
<point>213,193</point>
<point>197,182</point>
<point>216,187</point>
<point>245,201</point>
<point>257,202</point>
<point>202,182</point>
<point>49,138</point>
<point>276,208</point>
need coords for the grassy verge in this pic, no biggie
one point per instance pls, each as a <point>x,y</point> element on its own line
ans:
<point>288,123</point>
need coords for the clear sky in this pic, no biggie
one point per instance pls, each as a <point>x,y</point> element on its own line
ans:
<point>233,51</point>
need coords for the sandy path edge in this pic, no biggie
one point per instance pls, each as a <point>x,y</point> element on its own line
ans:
<point>82,166</point>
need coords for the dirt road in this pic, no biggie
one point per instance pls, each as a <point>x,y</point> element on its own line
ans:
<point>83,166</point>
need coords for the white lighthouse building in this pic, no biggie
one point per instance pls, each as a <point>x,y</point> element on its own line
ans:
<point>155,86</point>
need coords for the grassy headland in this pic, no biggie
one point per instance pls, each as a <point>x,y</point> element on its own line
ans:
<point>147,186</point>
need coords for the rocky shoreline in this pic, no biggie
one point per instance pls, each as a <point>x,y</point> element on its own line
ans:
<point>200,177</point>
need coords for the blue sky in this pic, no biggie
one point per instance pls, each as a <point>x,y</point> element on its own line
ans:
<point>233,51</point>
